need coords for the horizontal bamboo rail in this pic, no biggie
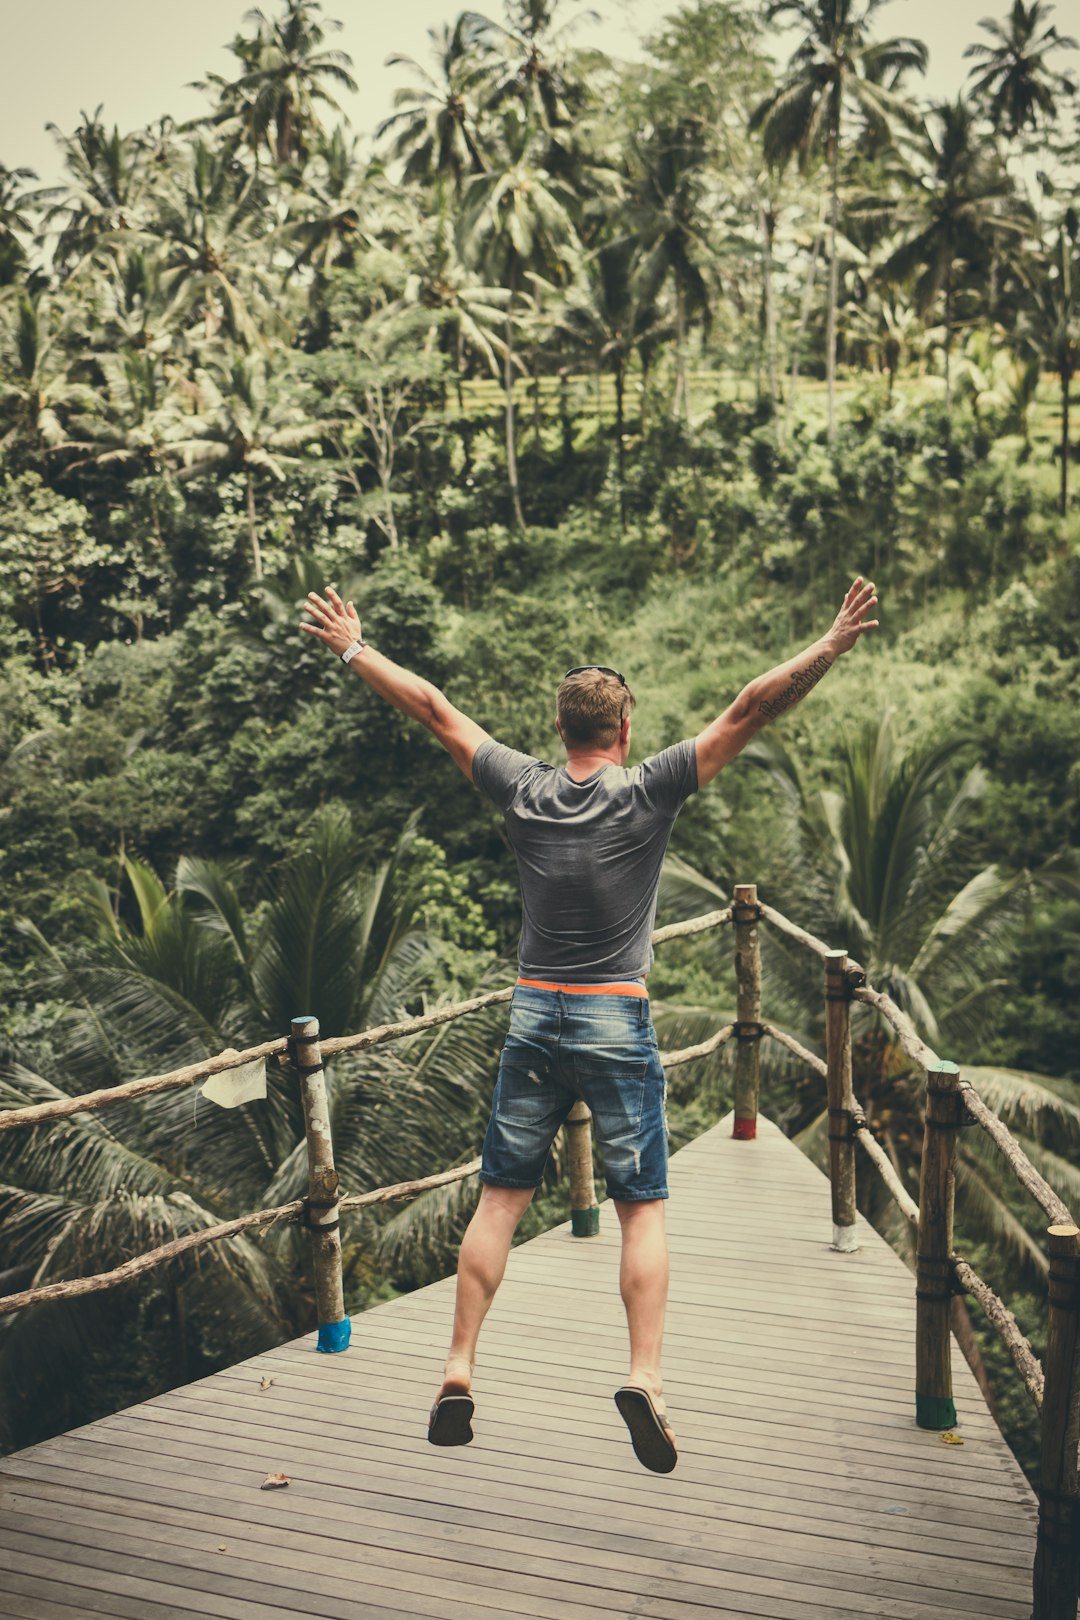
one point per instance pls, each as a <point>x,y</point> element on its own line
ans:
<point>258,1220</point>
<point>998,1314</point>
<point>378,1035</point>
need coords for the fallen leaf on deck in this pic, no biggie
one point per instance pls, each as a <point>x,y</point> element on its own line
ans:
<point>951,1440</point>
<point>264,1383</point>
<point>274,1482</point>
<point>222,1546</point>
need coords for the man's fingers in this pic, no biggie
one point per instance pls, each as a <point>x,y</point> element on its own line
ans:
<point>315,630</point>
<point>323,607</point>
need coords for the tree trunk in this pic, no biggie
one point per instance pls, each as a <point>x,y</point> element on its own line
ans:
<point>620,447</point>
<point>565,420</point>
<point>834,279</point>
<point>969,1344</point>
<point>284,129</point>
<point>804,318</point>
<point>508,387</point>
<point>948,341</point>
<point>1066,379</point>
<point>681,391</point>
<point>256,554</point>
<point>768,232</point>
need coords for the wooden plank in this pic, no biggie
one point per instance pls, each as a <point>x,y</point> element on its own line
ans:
<point>745,1505</point>
<point>630,1568</point>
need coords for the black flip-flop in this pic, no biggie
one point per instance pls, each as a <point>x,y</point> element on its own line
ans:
<point>650,1432</point>
<point>450,1423</point>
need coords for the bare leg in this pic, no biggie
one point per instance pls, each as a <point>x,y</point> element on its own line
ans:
<point>481,1264</point>
<point>643,1283</point>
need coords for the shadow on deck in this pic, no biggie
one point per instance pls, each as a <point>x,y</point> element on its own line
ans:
<point>804,1491</point>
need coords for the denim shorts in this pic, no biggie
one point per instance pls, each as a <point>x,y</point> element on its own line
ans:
<point>565,1046</point>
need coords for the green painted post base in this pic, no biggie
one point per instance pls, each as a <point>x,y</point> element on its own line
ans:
<point>585,1222</point>
<point>935,1411</point>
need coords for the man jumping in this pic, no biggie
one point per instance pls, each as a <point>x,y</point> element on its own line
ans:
<point>590,838</point>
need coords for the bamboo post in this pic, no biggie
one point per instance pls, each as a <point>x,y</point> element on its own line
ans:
<point>934,1405</point>
<point>841,1101</point>
<point>584,1211</point>
<point>321,1204</point>
<point>1057,1550</point>
<point>745,915</point>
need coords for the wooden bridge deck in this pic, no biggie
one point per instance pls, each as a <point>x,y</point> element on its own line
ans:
<point>803,1491</point>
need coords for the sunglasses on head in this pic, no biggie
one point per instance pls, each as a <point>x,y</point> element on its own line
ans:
<point>605,669</point>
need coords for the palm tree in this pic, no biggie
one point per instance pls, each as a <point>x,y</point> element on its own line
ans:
<point>136,423</point>
<point>37,389</point>
<point>434,125</point>
<point>963,203</point>
<point>668,209</point>
<point>1049,331</point>
<point>1011,77</point>
<point>16,223</point>
<point>517,220</point>
<point>208,223</point>
<point>286,70</point>
<point>603,314</point>
<point>332,207</point>
<point>834,71</point>
<point>244,426</point>
<point>107,193</point>
<point>528,59</point>
<point>189,976</point>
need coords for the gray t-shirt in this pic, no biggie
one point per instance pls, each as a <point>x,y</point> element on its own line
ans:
<point>589,856</point>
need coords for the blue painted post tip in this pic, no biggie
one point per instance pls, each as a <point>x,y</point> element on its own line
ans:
<point>334,1336</point>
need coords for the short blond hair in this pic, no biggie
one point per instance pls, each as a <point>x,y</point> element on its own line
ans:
<point>591,706</point>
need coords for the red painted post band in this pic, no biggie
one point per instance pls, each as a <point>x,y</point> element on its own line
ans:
<point>744,1130</point>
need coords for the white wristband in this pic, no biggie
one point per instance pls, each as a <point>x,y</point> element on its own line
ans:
<point>352,649</point>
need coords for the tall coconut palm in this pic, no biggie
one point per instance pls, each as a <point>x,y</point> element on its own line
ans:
<point>949,221</point>
<point>107,191</point>
<point>1011,76</point>
<point>209,223</point>
<point>528,58</point>
<point>286,74</point>
<point>37,386</point>
<point>189,975</point>
<point>668,208</point>
<point>333,208</point>
<point>835,72</point>
<point>1049,331</point>
<point>16,223</point>
<point>434,125</point>
<point>245,426</point>
<point>604,315</point>
<point>517,220</point>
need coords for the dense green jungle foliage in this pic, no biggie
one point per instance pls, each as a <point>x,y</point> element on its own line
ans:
<point>580,360</point>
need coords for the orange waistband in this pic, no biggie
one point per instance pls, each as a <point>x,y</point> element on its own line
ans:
<point>623,988</point>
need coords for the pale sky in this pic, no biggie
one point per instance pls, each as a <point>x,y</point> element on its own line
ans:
<point>137,57</point>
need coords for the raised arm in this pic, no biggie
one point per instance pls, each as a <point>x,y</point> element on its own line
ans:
<point>771,695</point>
<point>337,625</point>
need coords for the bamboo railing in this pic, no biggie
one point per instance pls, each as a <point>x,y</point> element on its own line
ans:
<point>950,1104</point>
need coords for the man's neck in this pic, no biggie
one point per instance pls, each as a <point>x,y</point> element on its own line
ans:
<point>581,765</point>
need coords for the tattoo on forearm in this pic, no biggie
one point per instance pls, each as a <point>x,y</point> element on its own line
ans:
<point>803,681</point>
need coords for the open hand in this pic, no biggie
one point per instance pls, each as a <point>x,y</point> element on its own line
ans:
<point>851,621</point>
<point>336,622</point>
